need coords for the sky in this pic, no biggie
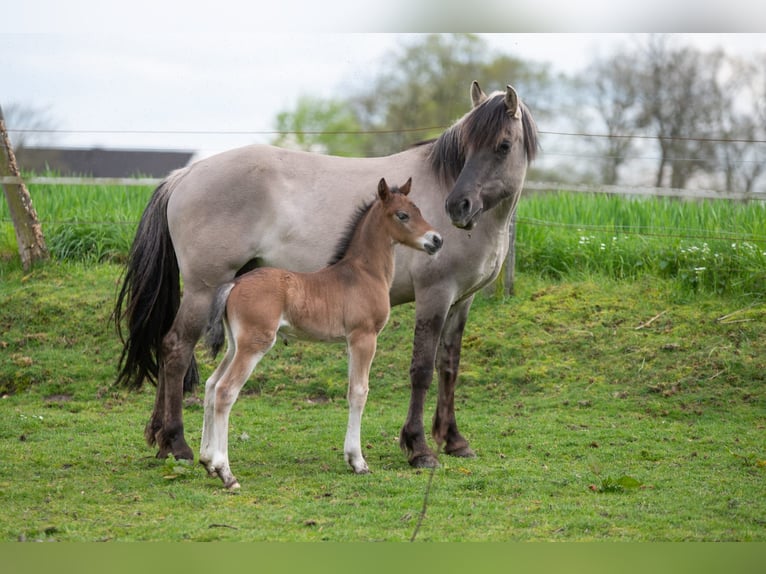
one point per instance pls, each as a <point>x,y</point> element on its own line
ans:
<point>101,68</point>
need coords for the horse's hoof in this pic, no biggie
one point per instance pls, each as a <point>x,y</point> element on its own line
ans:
<point>233,487</point>
<point>184,452</point>
<point>424,461</point>
<point>463,452</point>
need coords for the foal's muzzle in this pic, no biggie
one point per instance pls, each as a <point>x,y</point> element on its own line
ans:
<point>432,242</point>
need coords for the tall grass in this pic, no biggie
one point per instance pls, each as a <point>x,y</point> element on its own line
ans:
<point>82,222</point>
<point>715,246</point>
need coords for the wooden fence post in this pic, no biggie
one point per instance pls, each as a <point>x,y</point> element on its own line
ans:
<point>29,234</point>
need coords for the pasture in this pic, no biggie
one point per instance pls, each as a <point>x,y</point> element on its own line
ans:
<point>604,401</point>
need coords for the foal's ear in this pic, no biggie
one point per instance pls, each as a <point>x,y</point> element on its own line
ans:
<point>405,189</point>
<point>383,191</point>
<point>477,94</point>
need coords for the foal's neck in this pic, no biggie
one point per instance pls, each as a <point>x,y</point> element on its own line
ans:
<point>372,247</point>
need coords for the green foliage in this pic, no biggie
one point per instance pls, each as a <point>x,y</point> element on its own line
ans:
<point>323,126</point>
<point>609,485</point>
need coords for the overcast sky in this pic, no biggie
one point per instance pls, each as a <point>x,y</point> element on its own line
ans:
<point>99,69</point>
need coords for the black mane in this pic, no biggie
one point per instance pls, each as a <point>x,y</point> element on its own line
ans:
<point>341,247</point>
<point>484,126</point>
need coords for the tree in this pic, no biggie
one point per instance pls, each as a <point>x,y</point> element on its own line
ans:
<point>678,102</point>
<point>615,100</point>
<point>424,88</point>
<point>679,94</point>
<point>29,235</point>
<point>743,124</point>
<point>326,126</point>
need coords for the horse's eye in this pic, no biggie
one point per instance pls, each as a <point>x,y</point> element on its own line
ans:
<point>504,147</point>
<point>401,216</point>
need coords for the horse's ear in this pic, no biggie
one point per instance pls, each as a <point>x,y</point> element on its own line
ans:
<point>477,94</point>
<point>512,102</point>
<point>383,190</point>
<point>405,189</point>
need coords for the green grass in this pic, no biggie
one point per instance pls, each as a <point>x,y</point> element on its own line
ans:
<point>82,222</point>
<point>561,395</point>
<point>713,246</point>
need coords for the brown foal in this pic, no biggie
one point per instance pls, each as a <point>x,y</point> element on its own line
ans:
<point>348,300</point>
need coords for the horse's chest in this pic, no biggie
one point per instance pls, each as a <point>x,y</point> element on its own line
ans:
<point>490,264</point>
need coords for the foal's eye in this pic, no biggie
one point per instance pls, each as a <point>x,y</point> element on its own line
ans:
<point>401,216</point>
<point>504,147</point>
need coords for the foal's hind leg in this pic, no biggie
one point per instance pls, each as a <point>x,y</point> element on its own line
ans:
<point>361,351</point>
<point>207,442</point>
<point>245,359</point>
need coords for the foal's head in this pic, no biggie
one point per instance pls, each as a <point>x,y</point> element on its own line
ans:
<point>403,220</point>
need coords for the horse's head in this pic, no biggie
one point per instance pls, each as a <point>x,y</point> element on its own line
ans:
<point>405,223</point>
<point>496,141</point>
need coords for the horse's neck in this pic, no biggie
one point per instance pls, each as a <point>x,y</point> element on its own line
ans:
<point>371,248</point>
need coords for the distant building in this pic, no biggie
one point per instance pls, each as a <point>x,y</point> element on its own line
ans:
<point>99,162</point>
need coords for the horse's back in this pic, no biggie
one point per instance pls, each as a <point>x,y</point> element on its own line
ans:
<point>280,207</point>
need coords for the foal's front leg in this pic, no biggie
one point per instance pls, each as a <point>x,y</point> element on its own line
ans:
<point>361,351</point>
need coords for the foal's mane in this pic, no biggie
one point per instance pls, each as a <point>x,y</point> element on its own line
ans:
<point>484,126</point>
<point>341,247</point>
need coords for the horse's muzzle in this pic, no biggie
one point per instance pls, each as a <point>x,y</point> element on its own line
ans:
<point>463,213</point>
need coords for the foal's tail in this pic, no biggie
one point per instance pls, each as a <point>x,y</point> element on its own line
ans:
<point>215,337</point>
<point>150,296</point>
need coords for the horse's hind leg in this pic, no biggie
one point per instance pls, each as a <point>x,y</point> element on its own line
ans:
<point>361,351</point>
<point>177,352</point>
<point>448,361</point>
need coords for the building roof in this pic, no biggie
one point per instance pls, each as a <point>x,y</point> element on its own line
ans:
<point>98,162</point>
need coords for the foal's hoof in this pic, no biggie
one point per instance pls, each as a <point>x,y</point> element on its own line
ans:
<point>424,461</point>
<point>211,471</point>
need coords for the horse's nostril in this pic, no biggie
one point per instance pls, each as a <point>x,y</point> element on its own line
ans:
<point>437,241</point>
<point>465,205</point>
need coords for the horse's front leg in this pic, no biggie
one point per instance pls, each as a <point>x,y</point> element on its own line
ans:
<point>429,321</point>
<point>448,361</point>
<point>361,351</point>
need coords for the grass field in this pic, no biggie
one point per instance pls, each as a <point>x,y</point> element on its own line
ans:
<point>586,426</point>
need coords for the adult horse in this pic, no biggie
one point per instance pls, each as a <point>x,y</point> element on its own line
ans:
<point>265,206</point>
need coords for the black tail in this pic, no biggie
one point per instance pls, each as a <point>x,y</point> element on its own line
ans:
<point>215,337</point>
<point>149,297</point>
